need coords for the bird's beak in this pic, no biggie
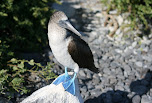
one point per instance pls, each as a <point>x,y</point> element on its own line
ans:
<point>66,24</point>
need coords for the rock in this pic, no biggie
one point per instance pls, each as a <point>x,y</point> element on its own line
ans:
<point>140,89</point>
<point>83,89</point>
<point>120,20</point>
<point>136,99</point>
<point>113,12</point>
<point>134,44</point>
<point>104,57</point>
<point>105,81</point>
<point>95,92</point>
<point>117,98</point>
<point>127,69</point>
<point>81,73</point>
<point>107,71</point>
<point>114,64</point>
<point>139,64</point>
<point>118,87</point>
<point>145,82</point>
<point>89,75</point>
<point>131,95</point>
<point>150,92</point>
<point>146,99</point>
<point>147,58</point>
<point>90,86</point>
<point>108,98</point>
<point>96,81</point>
<point>118,51</point>
<point>113,80</point>
<point>4,100</point>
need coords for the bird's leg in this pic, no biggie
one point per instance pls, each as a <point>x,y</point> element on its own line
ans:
<point>62,78</point>
<point>67,77</point>
<point>70,85</point>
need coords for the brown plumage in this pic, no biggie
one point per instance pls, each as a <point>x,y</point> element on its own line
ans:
<point>81,53</point>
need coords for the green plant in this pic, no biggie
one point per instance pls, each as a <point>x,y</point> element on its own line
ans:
<point>140,10</point>
<point>13,78</point>
<point>26,23</point>
<point>23,29</point>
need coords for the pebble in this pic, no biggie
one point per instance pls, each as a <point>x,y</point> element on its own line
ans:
<point>136,99</point>
<point>146,99</point>
<point>81,73</point>
<point>139,64</point>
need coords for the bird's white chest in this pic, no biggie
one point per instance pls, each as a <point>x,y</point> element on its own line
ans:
<point>60,51</point>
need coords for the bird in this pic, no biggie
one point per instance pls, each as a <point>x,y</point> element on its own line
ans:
<point>69,49</point>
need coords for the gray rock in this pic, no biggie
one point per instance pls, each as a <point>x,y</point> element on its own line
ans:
<point>96,81</point>
<point>134,44</point>
<point>105,81</point>
<point>131,95</point>
<point>107,71</point>
<point>136,99</point>
<point>99,86</point>
<point>95,92</point>
<point>90,86</point>
<point>81,73</point>
<point>104,57</point>
<point>146,99</point>
<point>147,58</point>
<point>113,80</point>
<point>119,87</point>
<point>89,75</point>
<point>118,51</point>
<point>150,92</point>
<point>114,64</point>
<point>139,64</point>
<point>128,53</point>
<point>127,69</point>
<point>83,89</point>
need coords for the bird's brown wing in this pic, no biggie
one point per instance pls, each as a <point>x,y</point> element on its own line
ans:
<point>81,53</point>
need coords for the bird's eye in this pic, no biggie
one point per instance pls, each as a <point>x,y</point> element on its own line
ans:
<point>63,23</point>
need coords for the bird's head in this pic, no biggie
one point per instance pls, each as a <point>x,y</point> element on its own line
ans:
<point>61,19</point>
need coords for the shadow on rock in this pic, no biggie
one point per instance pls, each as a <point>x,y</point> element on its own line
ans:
<point>142,86</point>
<point>110,97</point>
<point>137,88</point>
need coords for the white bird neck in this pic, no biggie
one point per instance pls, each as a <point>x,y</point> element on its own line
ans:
<point>56,33</point>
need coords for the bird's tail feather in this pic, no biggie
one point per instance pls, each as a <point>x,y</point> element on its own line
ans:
<point>94,69</point>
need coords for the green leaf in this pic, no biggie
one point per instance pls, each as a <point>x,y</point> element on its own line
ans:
<point>38,64</point>
<point>21,65</point>
<point>13,60</point>
<point>15,68</point>
<point>31,62</point>
<point>17,81</point>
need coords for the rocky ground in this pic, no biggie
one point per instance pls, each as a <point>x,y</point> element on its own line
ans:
<point>125,62</point>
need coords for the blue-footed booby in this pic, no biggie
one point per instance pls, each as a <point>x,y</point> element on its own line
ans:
<point>69,49</point>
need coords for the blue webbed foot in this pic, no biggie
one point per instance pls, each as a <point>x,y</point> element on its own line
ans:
<point>70,85</point>
<point>62,78</point>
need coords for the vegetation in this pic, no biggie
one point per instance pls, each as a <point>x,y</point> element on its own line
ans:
<point>23,29</point>
<point>140,10</point>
